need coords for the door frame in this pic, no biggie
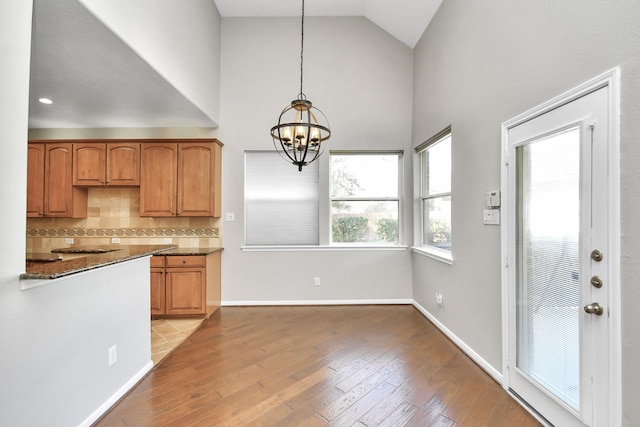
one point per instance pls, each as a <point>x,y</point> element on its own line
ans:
<point>610,79</point>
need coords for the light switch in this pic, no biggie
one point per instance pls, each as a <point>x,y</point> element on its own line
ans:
<point>491,216</point>
<point>229,217</point>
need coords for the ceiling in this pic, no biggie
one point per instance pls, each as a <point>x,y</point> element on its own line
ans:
<point>97,81</point>
<point>406,20</point>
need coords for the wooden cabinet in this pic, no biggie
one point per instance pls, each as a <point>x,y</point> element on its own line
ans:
<point>50,192</point>
<point>100,164</point>
<point>157,285</point>
<point>159,165</point>
<point>181,179</point>
<point>185,286</point>
<point>35,180</point>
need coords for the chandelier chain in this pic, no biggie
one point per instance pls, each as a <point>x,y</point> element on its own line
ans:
<point>301,95</point>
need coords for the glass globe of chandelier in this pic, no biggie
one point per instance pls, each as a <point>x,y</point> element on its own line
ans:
<point>302,129</point>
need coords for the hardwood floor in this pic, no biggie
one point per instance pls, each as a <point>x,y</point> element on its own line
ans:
<point>317,366</point>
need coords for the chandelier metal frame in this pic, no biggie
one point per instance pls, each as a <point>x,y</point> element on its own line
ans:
<point>302,128</point>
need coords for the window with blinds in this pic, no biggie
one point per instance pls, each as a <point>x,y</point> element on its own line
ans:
<point>281,203</point>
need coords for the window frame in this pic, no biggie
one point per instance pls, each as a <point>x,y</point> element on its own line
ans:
<point>422,247</point>
<point>398,199</point>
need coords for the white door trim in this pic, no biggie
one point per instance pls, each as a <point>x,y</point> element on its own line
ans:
<point>610,79</point>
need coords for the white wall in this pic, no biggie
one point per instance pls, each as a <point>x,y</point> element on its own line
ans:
<point>53,364</point>
<point>15,48</point>
<point>361,78</point>
<point>180,40</point>
<point>55,368</point>
<point>479,64</point>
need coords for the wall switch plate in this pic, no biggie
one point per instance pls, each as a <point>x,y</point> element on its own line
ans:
<point>113,355</point>
<point>167,240</point>
<point>491,216</point>
<point>316,281</point>
<point>229,217</point>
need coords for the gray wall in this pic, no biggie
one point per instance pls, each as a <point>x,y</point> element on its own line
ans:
<point>361,78</point>
<point>479,64</point>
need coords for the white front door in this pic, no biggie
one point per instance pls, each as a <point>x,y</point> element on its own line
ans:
<point>561,260</point>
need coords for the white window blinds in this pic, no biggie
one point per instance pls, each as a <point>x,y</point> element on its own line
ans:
<point>281,203</point>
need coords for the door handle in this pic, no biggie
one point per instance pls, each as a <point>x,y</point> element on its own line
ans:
<point>594,308</point>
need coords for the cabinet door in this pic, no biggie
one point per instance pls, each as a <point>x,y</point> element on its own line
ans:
<point>89,164</point>
<point>158,179</point>
<point>123,163</point>
<point>195,179</point>
<point>157,291</point>
<point>57,180</point>
<point>35,180</point>
<point>185,291</point>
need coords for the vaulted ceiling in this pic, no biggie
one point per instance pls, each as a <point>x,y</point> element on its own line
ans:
<point>97,81</point>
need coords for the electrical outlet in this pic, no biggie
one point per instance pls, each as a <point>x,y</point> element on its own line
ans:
<point>439,299</point>
<point>115,240</point>
<point>167,240</point>
<point>69,241</point>
<point>229,217</point>
<point>113,355</point>
<point>316,281</point>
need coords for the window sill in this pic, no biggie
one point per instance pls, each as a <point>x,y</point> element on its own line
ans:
<point>326,248</point>
<point>435,253</point>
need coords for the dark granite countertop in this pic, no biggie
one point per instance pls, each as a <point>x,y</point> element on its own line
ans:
<point>57,269</point>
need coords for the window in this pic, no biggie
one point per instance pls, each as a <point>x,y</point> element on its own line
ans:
<point>281,203</point>
<point>365,197</point>
<point>435,191</point>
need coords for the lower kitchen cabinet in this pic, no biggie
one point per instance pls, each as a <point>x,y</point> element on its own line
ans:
<point>185,285</point>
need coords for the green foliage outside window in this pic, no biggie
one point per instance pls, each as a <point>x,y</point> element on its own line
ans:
<point>349,229</point>
<point>387,229</point>
<point>439,232</point>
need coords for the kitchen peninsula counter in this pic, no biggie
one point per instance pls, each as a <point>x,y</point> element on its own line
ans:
<point>62,268</point>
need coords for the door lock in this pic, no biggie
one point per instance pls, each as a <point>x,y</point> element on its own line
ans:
<point>594,308</point>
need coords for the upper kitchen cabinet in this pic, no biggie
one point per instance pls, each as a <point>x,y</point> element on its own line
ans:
<point>181,178</point>
<point>50,192</point>
<point>106,164</point>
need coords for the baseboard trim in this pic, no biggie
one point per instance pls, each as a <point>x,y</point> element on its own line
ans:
<point>116,396</point>
<point>493,372</point>
<point>318,302</point>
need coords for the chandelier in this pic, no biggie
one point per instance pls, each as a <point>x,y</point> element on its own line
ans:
<point>302,128</point>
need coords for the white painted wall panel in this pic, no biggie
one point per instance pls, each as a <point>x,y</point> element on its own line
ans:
<point>56,339</point>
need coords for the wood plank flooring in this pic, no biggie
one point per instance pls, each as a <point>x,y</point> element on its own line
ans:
<point>317,366</point>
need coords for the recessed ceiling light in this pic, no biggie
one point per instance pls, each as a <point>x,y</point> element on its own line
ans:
<point>45,101</point>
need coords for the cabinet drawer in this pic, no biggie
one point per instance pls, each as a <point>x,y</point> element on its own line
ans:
<point>157,261</point>
<point>186,261</point>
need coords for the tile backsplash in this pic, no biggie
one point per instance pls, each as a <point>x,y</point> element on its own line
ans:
<point>114,213</point>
